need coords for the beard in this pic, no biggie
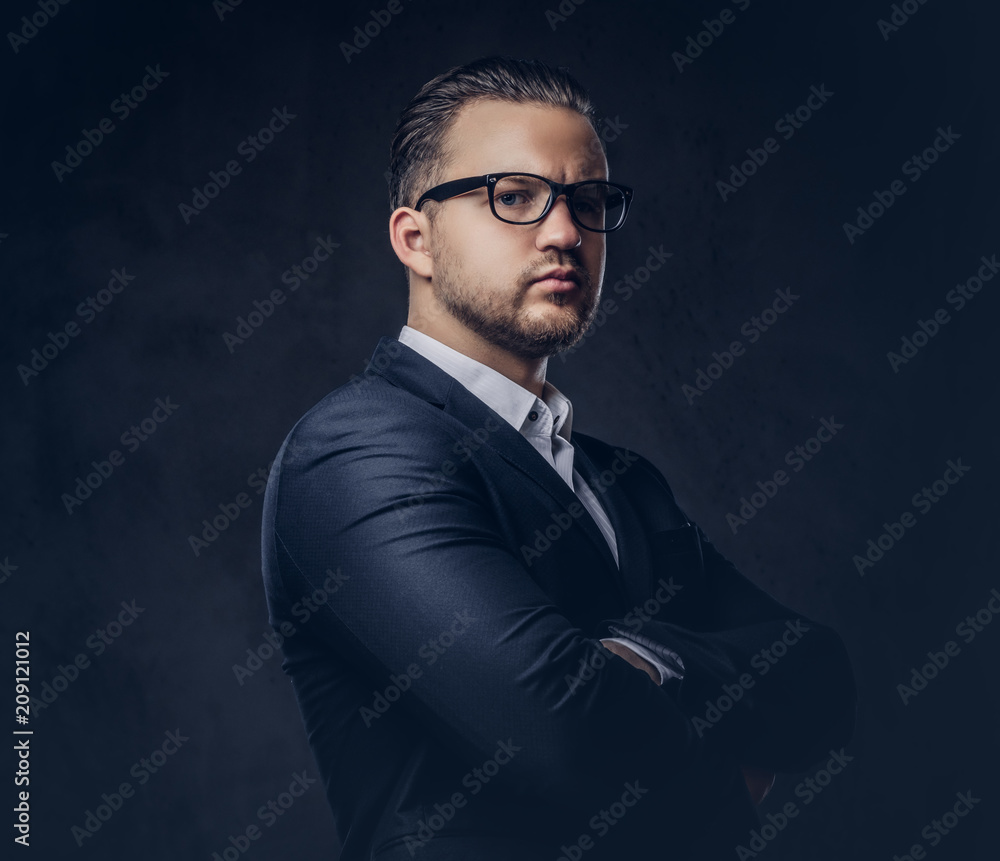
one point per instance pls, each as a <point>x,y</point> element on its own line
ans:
<point>503,319</point>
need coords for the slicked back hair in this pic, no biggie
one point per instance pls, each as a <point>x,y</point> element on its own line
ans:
<point>418,156</point>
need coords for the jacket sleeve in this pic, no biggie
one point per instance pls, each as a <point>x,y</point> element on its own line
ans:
<point>418,546</point>
<point>768,686</point>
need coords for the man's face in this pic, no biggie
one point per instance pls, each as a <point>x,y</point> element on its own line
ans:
<point>485,270</point>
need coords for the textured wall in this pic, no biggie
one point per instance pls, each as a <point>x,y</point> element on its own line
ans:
<point>208,79</point>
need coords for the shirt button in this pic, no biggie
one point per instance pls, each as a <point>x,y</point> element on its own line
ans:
<point>533,415</point>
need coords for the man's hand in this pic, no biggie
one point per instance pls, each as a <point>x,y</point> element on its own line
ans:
<point>635,660</point>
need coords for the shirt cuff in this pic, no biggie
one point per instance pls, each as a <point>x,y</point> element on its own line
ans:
<point>665,671</point>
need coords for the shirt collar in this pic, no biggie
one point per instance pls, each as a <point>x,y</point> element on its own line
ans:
<point>513,403</point>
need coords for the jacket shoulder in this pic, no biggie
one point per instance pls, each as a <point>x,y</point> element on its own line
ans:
<point>366,408</point>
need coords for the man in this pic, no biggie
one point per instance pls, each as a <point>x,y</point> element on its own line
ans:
<point>518,646</point>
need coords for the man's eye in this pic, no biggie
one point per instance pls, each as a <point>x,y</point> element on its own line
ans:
<point>514,198</point>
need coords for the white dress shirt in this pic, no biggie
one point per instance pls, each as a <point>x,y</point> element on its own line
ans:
<point>545,422</point>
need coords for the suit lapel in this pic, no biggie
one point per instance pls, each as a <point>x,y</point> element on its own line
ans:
<point>633,552</point>
<point>406,368</point>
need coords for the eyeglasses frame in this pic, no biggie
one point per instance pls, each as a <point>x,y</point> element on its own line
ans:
<point>456,187</point>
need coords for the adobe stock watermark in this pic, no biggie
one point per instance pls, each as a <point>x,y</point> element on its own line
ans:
<point>922,500</point>
<point>302,610</point>
<point>786,126</point>
<point>959,297</point>
<point>695,46</point>
<point>626,287</point>
<point>41,357</point>
<point>132,438</point>
<point>901,13</point>
<point>250,147</point>
<point>752,330</point>
<point>602,822</point>
<point>429,653</point>
<point>378,20</point>
<point>98,643</point>
<point>30,27</point>
<point>22,777</point>
<point>796,458</point>
<point>968,629</point>
<point>474,780</point>
<point>142,770</point>
<point>264,309</point>
<point>937,829</point>
<point>808,790</point>
<point>122,107</point>
<point>269,814</point>
<point>913,169</point>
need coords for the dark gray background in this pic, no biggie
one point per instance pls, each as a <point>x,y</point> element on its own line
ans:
<point>324,176</point>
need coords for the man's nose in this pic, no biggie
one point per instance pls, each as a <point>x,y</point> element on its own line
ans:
<point>558,228</point>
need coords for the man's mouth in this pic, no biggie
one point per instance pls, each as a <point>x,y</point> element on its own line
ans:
<point>559,280</point>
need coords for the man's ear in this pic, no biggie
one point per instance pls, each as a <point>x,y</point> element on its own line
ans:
<point>410,235</point>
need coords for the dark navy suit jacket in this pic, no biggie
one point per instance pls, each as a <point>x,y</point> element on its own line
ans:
<point>448,671</point>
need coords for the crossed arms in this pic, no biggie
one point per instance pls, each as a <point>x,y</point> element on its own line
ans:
<point>336,500</point>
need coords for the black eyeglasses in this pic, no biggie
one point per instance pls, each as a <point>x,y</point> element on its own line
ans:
<point>525,198</point>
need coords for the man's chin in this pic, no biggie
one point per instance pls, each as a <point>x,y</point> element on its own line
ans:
<point>545,342</point>
<point>560,326</point>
